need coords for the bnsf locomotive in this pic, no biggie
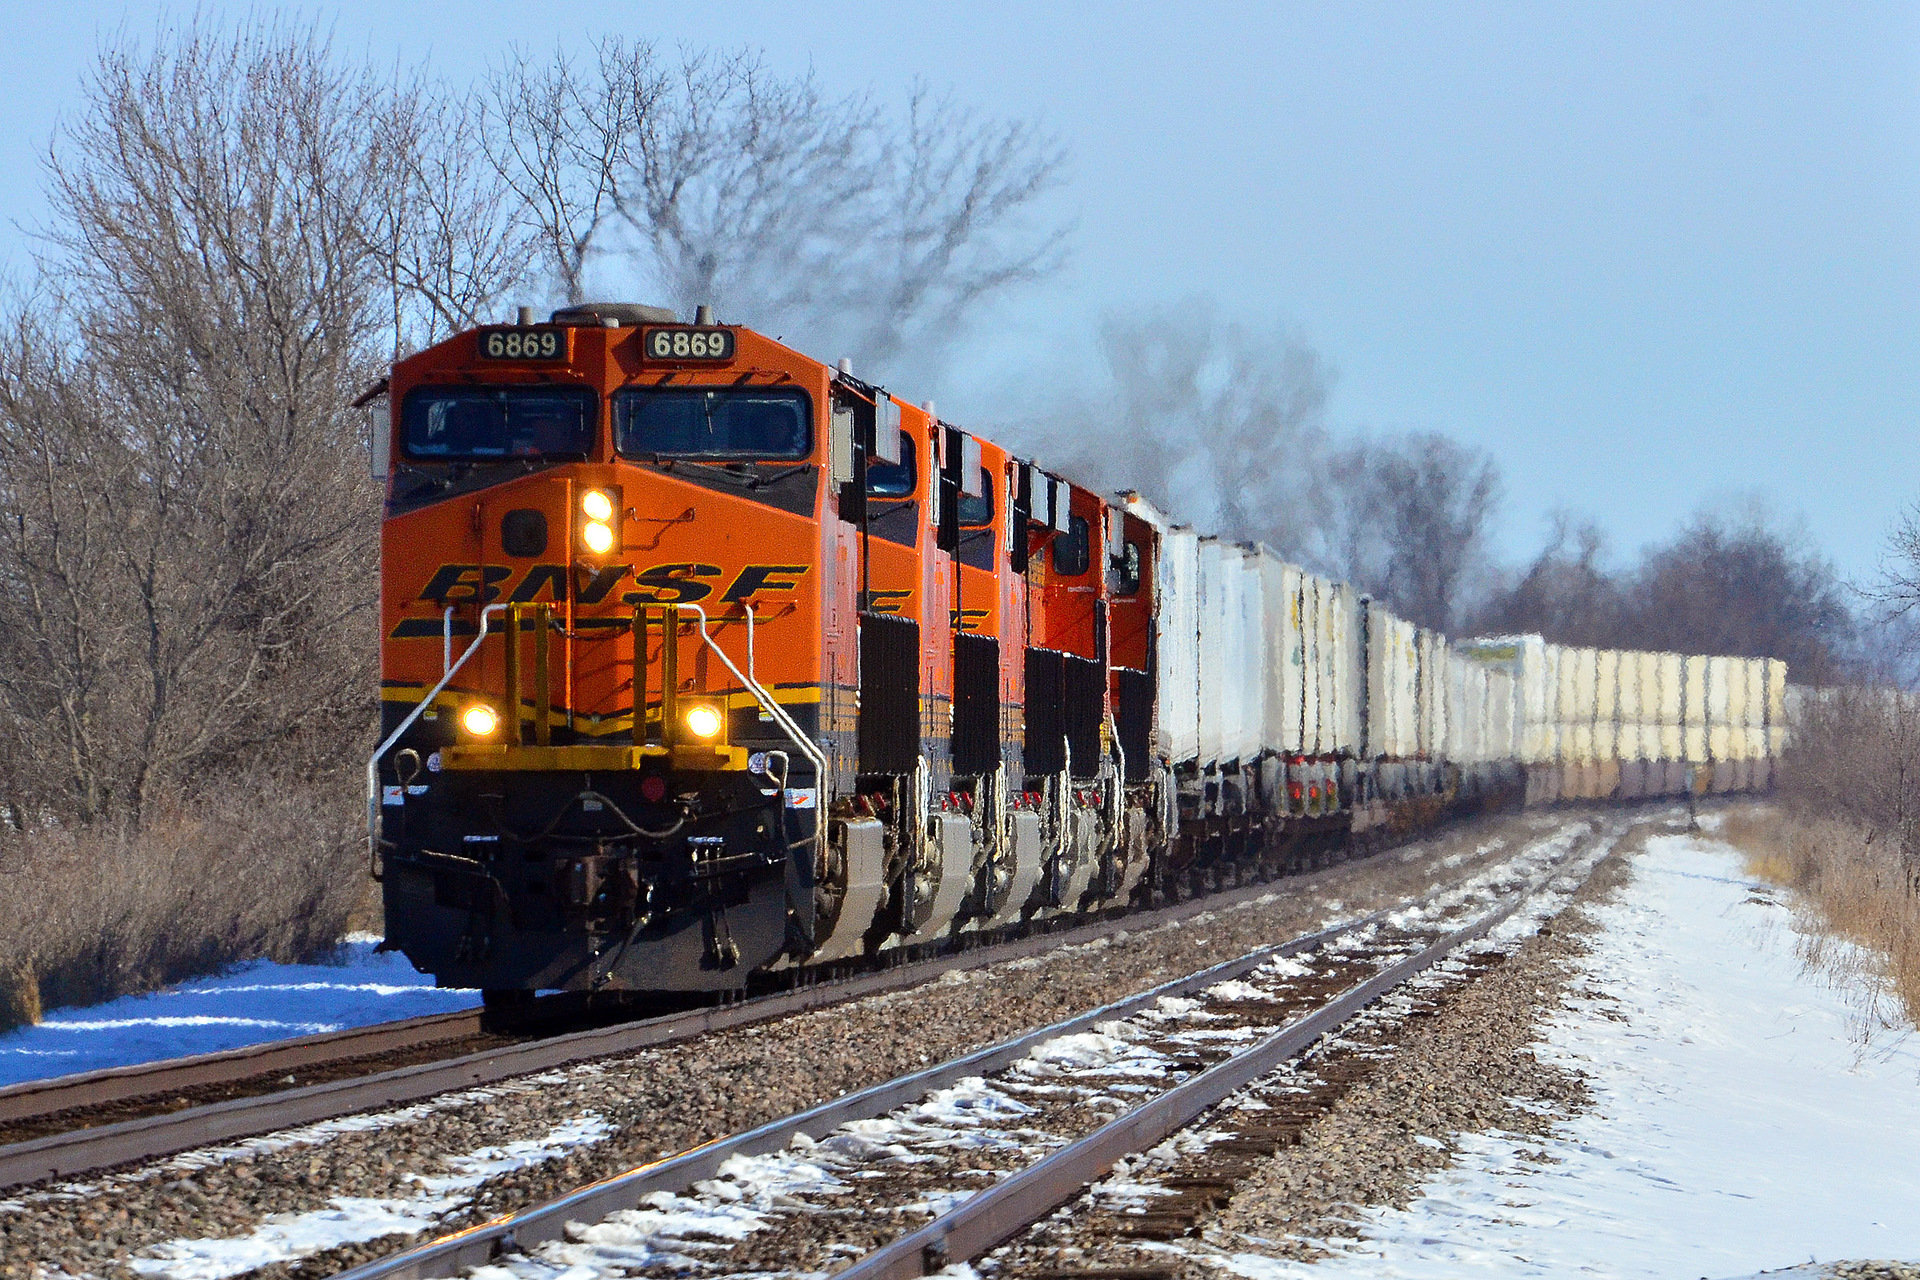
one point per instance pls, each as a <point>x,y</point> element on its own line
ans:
<point>701,658</point>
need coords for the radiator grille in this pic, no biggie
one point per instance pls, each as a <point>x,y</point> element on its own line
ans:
<point>889,694</point>
<point>976,705</point>
<point>1133,720</point>
<point>1046,718</point>
<point>1085,707</point>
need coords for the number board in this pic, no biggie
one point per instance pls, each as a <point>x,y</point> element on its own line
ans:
<point>523,344</point>
<point>688,344</point>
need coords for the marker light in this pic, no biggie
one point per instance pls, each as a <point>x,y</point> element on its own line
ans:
<point>480,720</point>
<point>597,505</point>
<point>598,537</point>
<point>703,721</point>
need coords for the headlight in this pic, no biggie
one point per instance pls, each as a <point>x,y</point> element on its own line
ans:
<point>480,720</point>
<point>597,505</point>
<point>704,721</point>
<point>598,537</point>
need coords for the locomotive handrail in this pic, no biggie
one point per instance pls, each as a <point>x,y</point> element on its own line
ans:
<point>373,761</point>
<point>766,700</point>
<point>774,711</point>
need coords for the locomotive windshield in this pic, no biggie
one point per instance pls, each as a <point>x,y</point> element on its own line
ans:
<point>481,424</point>
<point>713,422</point>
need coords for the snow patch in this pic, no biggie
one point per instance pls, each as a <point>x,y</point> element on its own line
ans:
<point>254,1003</point>
<point>1736,1125</point>
<point>284,1237</point>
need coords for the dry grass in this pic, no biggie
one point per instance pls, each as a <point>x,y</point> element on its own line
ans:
<point>274,870</point>
<point>1855,897</point>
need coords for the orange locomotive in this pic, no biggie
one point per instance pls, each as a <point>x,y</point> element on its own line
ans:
<point>702,658</point>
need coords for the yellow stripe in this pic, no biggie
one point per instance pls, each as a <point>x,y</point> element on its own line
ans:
<point>450,701</point>
<point>589,758</point>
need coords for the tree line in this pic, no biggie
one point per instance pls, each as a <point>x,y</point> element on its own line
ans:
<point>1224,426</point>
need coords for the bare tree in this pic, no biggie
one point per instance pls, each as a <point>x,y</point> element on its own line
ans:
<point>1212,421</point>
<point>820,217</point>
<point>562,141</point>
<point>1409,523</point>
<point>1566,594</point>
<point>182,414</point>
<point>1899,586</point>
<point>1739,584</point>
<point>447,229</point>
<point>62,627</point>
<point>747,187</point>
<point>1727,582</point>
<point>954,198</point>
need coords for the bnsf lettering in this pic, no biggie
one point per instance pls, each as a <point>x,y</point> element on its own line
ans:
<point>677,583</point>
<point>763,577</point>
<point>550,578</point>
<point>592,589</point>
<point>590,586</point>
<point>464,583</point>
<point>674,584</point>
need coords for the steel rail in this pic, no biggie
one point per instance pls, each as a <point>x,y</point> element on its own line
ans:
<point>986,1219</point>
<point>126,1142</point>
<point>1011,1206</point>
<point>33,1099</point>
<point>482,1243</point>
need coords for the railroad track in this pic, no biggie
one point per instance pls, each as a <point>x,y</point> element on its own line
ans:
<point>83,1124</point>
<point>937,1167</point>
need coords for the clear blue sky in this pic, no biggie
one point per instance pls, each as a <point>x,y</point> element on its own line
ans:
<point>1649,256</point>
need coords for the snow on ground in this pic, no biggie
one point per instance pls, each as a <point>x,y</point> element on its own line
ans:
<point>1736,1124</point>
<point>283,1237</point>
<point>255,1002</point>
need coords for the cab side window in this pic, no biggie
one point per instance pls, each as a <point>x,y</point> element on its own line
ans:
<point>893,480</point>
<point>1073,550</point>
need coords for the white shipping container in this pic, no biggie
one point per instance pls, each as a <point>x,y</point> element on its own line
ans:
<point>1719,688</point>
<point>1501,714</point>
<point>1466,709</point>
<point>1606,710</point>
<point>1279,588</point>
<point>1626,687</point>
<point>1326,654</point>
<point>1214,657</point>
<point>1530,694</point>
<point>1246,687</point>
<point>1393,685</point>
<point>1177,634</point>
<point>1586,696</point>
<point>1313,663</point>
<point>1757,707</point>
<point>1647,713</point>
<point>1775,678</point>
<point>1424,718</point>
<point>1373,649</point>
<point>1693,708</point>
<point>1344,665</point>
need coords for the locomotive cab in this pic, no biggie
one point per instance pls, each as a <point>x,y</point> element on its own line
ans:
<point>602,597</point>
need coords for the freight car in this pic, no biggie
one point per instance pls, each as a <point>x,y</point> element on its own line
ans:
<point>702,659</point>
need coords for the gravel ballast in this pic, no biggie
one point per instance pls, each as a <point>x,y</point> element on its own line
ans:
<point>665,1100</point>
<point>1398,1090</point>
